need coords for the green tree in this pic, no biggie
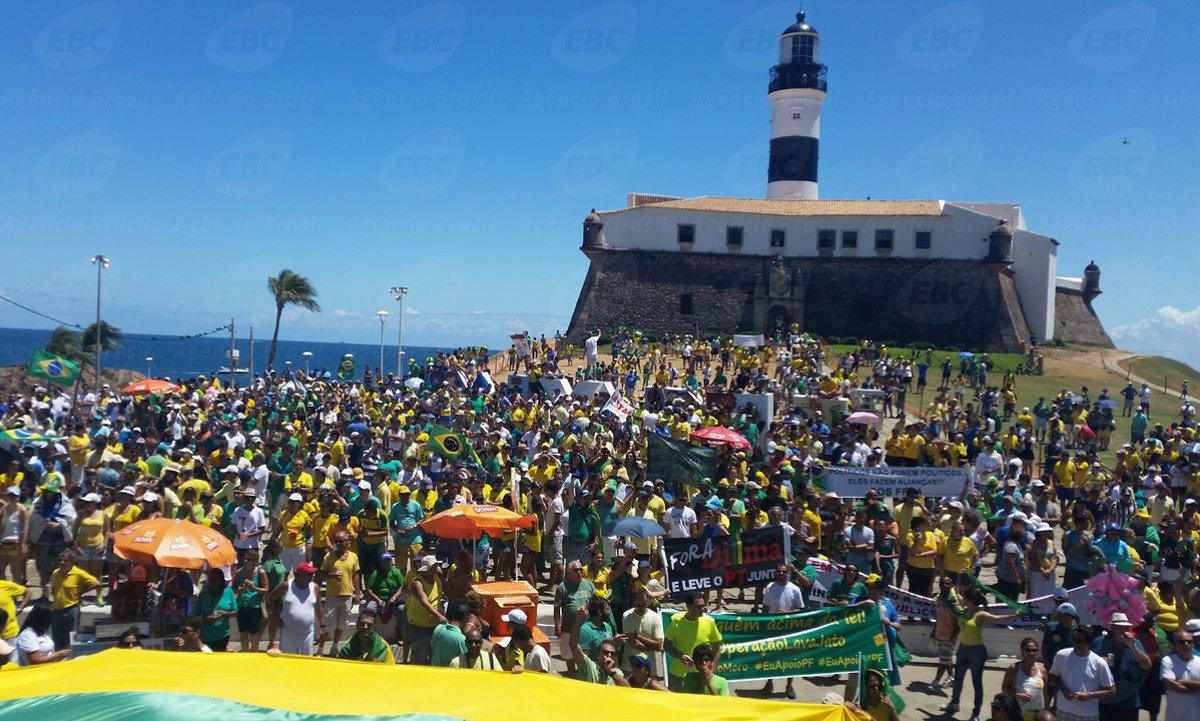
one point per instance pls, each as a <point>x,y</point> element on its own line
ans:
<point>108,336</point>
<point>289,288</point>
<point>65,342</point>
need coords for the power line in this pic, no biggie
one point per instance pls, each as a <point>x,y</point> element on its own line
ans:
<point>6,299</point>
<point>59,321</point>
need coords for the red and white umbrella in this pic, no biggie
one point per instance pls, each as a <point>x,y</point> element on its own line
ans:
<point>722,436</point>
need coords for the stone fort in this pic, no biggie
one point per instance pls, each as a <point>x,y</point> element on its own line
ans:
<point>965,274</point>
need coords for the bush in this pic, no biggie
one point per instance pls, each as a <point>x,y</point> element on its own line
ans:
<point>951,349</point>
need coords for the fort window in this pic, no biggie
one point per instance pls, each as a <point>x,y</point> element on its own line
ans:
<point>733,236</point>
<point>884,239</point>
<point>685,304</point>
<point>924,240</point>
<point>826,238</point>
<point>778,238</point>
<point>685,233</point>
<point>849,238</point>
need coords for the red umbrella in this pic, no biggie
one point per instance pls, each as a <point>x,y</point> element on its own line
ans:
<point>723,436</point>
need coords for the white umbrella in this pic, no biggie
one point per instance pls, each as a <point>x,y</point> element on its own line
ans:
<point>414,383</point>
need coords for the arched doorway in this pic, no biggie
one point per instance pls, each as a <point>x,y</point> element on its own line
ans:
<point>779,319</point>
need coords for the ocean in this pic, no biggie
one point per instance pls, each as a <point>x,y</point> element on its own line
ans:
<point>174,357</point>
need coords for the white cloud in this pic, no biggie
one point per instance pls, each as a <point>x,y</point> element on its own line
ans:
<point>1171,332</point>
<point>411,311</point>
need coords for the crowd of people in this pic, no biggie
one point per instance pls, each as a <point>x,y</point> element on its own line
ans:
<point>322,485</point>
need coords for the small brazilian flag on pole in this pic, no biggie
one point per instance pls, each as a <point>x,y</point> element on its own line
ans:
<point>53,368</point>
<point>450,445</point>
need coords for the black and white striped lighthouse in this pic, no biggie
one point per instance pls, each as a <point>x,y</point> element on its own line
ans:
<point>796,92</point>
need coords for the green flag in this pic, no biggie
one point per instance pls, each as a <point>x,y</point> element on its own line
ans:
<point>679,461</point>
<point>53,368</point>
<point>450,445</point>
<point>1000,597</point>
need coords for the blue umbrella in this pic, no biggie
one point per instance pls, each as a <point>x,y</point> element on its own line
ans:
<point>637,527</point>
<point>966,354</point>
<point>1191,449</point>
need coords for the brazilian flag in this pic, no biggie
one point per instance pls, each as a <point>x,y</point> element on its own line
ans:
<point>450,445</point>
<point>53,368</point>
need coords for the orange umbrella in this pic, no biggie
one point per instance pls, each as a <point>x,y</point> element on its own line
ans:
<point>173,543</point>
<point>148,386</point>
<point>467,522</point>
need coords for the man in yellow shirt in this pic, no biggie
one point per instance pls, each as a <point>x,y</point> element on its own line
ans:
<point>292,526</point>
<point>13,599</point>
<point>914,444</point>
<point>68,584</point>
<point>343,588</point>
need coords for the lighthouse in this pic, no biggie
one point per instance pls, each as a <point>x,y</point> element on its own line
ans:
<point>796,92</point>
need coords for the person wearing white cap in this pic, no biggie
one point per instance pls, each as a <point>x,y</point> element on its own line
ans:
<point>1043,562</point>
<point>14,522</point>
<point>92,528</point>
<point>292,528</point>
<point>423,610</point>
<point>1128,663</point>
<point>1180,676</point>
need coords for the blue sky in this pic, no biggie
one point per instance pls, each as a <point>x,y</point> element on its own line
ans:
<point>455,147</point>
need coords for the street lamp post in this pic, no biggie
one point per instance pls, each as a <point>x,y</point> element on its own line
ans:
<point>101,262</point>
<point>398,292</point>
<point>307,356</point>
<point>383,316</point>
<point>149,362</point>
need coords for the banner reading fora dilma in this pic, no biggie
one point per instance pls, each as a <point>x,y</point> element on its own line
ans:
<point>855,481</point>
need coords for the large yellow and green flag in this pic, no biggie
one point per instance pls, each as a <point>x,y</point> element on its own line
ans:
<point>53,368</point>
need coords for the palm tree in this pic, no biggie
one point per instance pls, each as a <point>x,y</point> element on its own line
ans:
<point>65,342</point>
<point>109,337</point>
<point>289,288</point>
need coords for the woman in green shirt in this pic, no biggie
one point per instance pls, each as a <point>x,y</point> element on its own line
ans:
<point>215,605</point>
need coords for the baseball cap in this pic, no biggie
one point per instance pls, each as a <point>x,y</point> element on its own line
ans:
<point>1060,594</point>
<point>296,497</point>
<point>427,563</point>
<point>150,496</point>
<point>306,567</point>
<point>403,490</point>
<point>1068,609</point>
<point>128,490</point>
<point>232,468</point>
<point>387,556</point>
<point>89,498</point>
<point>640,659</point>
<point>14,491</point>
<point>365,485</point>
<point>515,616</point>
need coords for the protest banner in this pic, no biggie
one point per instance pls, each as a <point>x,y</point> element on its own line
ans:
<point>618,407</point>
<point>701,564</point>
<point>679,461</point>
<point>804,643</point>
<point>911,605</point>
<point>855,481</point>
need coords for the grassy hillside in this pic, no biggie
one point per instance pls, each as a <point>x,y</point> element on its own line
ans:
<point>1165,371</point>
